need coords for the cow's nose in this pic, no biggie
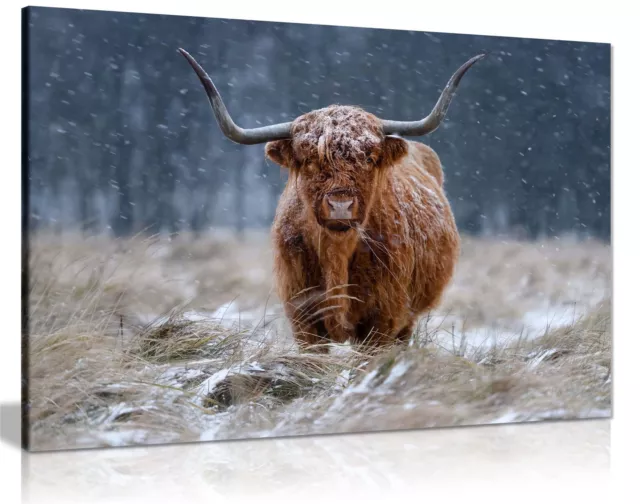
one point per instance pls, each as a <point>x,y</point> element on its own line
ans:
<point>340,207</point>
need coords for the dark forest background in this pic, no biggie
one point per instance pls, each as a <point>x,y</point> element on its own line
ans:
<point>122,139</point>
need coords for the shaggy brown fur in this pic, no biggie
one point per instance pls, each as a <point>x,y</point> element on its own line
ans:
<point>365,280</point>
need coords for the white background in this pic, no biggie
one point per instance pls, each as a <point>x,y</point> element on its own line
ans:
<point>558,462</point>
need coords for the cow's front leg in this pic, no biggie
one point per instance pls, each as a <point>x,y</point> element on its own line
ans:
<point>298,286</point>
<point>404,335</point>
<point>334,258</point>
<point>305,313</point>
<point>337,325</point>
<point>374,332</point>
<point>382,327</point>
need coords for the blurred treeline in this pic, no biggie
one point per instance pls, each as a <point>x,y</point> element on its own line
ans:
<point>122,139</point>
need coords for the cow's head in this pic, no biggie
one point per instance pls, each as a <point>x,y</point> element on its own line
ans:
<point>336,154</point>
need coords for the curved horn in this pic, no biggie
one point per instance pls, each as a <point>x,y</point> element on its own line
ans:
<point>228,127</point>
<point>433,120</point>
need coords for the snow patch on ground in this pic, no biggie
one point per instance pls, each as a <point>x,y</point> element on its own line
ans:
<point>176,376</point>
<point>555,414</point>
<point>533,324</point>
<point>229,315</point>
<point>397,372</point>
<point>210,383</point>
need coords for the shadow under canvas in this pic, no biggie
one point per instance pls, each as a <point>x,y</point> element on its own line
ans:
<point>11,424</point>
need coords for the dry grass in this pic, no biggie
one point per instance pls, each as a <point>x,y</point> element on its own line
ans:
<point>129,344</point>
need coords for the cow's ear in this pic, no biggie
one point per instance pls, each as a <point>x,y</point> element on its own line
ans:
<point>281,152</point>
<point>393,150</point>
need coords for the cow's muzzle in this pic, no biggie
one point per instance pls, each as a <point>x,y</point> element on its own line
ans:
<point>339,211</point>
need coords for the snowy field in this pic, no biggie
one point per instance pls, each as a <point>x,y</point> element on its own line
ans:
<point>155,340</point>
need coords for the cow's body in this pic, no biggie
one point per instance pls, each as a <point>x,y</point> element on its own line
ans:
<point>396,266</point>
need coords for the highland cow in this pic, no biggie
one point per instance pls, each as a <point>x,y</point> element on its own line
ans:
<point>365,240</point>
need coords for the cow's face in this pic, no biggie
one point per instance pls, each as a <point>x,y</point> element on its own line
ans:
<point>337,156</point>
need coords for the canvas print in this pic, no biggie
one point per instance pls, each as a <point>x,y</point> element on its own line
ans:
<point>242,229</point>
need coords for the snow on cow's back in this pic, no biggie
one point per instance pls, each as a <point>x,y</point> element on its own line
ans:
<point>417,185</point>
<point>426,160</point>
